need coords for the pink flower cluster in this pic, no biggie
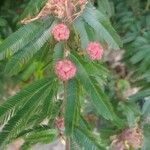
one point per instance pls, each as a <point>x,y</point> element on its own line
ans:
<point>65,69</point>
<point>129,137</point>
<point>60,32</point>
<point>94,50</point>
<point>133,137</point>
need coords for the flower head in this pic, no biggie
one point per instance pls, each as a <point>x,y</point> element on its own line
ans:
<point>128,138</point>
<point>133,137</point>
<point>65,69</point>
<point>60,32</point>
<point>94,50</point>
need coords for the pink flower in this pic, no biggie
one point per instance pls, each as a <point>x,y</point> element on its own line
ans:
<point>60,32</point>
<point>65,69</point>
<point>94,50</point>
<point>59,122</point>
<point>117,145</point>
<point>82,2</point>
<point>131,137</point>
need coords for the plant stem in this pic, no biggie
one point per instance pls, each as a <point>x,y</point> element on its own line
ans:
<point>67,144</point>
<point>65,101</point>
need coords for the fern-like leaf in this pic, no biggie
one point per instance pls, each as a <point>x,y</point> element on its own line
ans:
<point>87,140</point>
<point>21,38</point>
<point>19,97</point>
<point>15,124</point>
<point>71,109</point>
<point>102,104</point>
<point>102,27</point>
<point>23,56</point>
<point>32,8</point>
<point>80,27</point>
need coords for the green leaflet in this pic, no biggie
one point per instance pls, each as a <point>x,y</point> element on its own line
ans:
<point>37,116</point>
<point>16,123</point>
<point>106,7</point>
<point>33,8</point>
<point>71,107</point>
<point>28,71</point>
<point>140,95</point>
<point>131,111</point>
<point>80,27</point>
<point>33,129</point>
<point>102,27</point>
<point>24,55</point>
<point>146,132</point>
<point>26,146</point>
<point>115,120</point>
<point>145,109</point>
<point>90,32</point>
<point>74,145</point>
<point>140,55</point>
<point>49,102</point>
<point>19,97</point>
<point>86,139</point>
<point>58,51</point>
<point>45,136</point>
<point>145,64</point>
<point>102,105</point>
<point>21,38</point>
<point>97,71</point>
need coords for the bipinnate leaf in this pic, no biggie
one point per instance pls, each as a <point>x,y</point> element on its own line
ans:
<point>71,107</point>
<point>102,105</point>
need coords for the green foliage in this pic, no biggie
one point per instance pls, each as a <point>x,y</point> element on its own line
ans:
<point>18,40</point>
<point>87,140</point>
<point>44,136</point>
<point>32,37</point>
<point>132,19</point>
<point>72,106</point>
<point>106,7</point>
<point>15,100</point>
<point>32,8</point>
<point>17,122</point>
<point>131,111</point>
<point>23,56</point>
<point>102,27</point>
<point>98,99</point>
<point>30,54</point>
<point>140,95</point>
<point>79,25</point>
<point>146,137</point>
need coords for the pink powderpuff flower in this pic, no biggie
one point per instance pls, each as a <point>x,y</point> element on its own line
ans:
<point>128,138</point>
<point>94,50</point>
<point>60,32</point>
<point>133,137</point>
<point>65,69</point>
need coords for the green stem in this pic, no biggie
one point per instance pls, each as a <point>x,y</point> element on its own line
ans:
<point>64,103</point>
<point>67,144</point>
